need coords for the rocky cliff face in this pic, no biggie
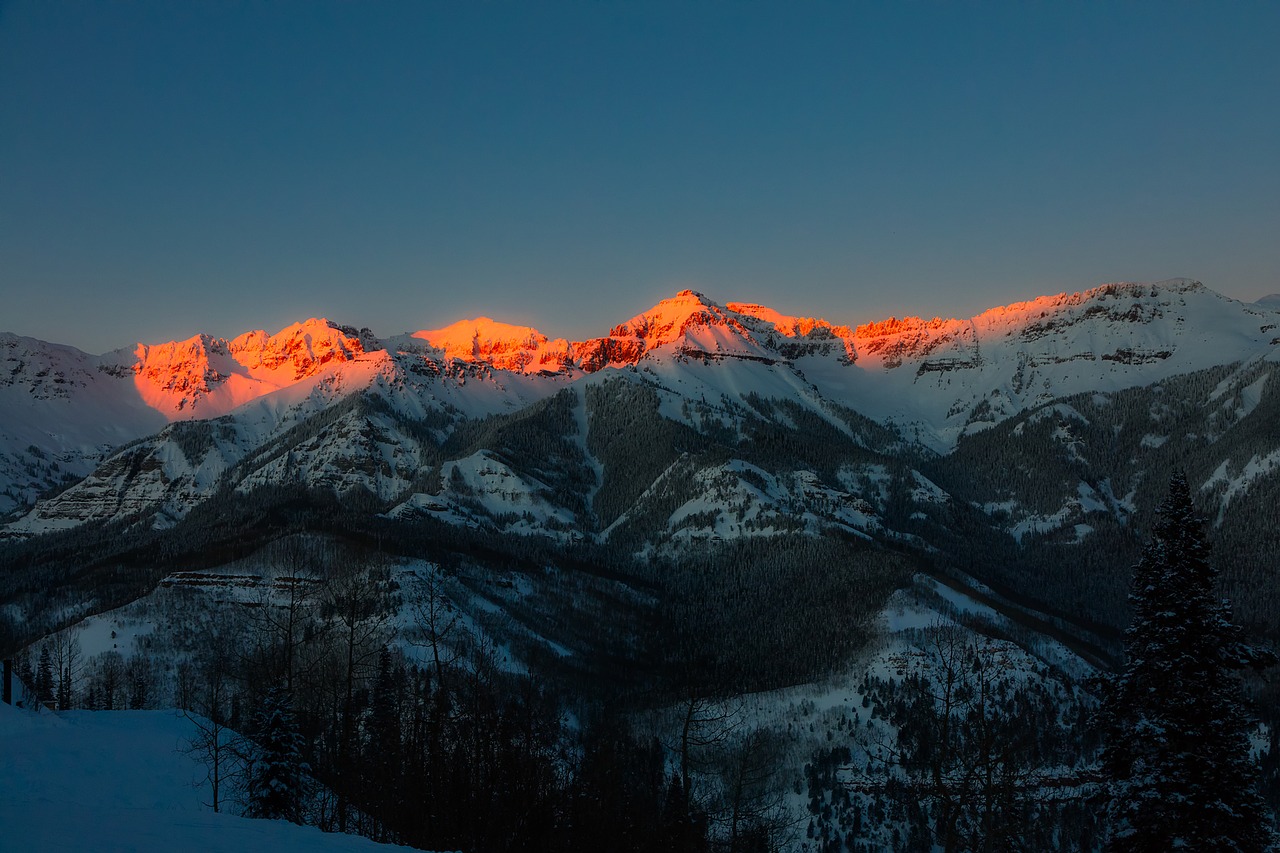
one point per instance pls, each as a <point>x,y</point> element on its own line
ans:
<point>299,350</point>
<point>206,376</point>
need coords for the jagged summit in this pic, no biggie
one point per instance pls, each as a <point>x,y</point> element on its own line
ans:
<point>301,346</point>
<point>502,345</point>
<point>204,376</point>
<point>670,318</point>
<point>689,323</point>
<point>791,327</point>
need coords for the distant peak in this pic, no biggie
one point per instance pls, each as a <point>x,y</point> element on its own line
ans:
<point>670,317</point>
<point>503,345</point>
<point>684,300</point>
<point>692,294</point>
<point>179,376</point>
<point>1181,284</point>
<point>463,333</point>
<point>1172,285</point>
<point>319,334</point>
<point>786,324</point>
<point>314,324</point>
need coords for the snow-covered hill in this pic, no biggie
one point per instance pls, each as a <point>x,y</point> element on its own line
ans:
<point>121,781</point>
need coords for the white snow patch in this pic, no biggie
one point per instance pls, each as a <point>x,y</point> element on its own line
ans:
<point>1251,396</point>
<point>1232,487</point>
<point>119,781</point>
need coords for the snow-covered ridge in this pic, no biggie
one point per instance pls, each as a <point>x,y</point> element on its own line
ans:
<point>943,378</point>
<point>206,376</point>
<point>687,323</point>
<point>913,338</point>
<point>690,323</point>
<point>934,380</point>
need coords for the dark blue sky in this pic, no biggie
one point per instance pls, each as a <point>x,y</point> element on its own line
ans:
<point>168,168</point>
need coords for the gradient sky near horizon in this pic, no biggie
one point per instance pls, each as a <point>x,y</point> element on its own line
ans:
<point>173,168</point>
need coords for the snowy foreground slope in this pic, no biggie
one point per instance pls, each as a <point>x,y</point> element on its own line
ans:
<point>122,778</point>
<point>117,781</point>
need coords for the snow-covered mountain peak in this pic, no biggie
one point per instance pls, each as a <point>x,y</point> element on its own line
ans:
<point>1003,317</point>
<point>205,376</point>
<point>943,378</point>
<point>501,345</point>
<point>687,323</point>
<point>464,335</point>
<point>934,380</point>
<point>673,317</point>
<point>172,377</point>
<point>303,347</point>
<point>44,370</point>
<point>1105,322</point>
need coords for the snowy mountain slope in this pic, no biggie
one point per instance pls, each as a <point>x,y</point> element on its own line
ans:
<point>687,324</point>
<point>165,626</point>
<point>119,781</point>
<point>174,470</point>
<point>691,422</point>
<point>720,480</point>
<point>709,364</point>
<point>66,410</point>
<point>940,379</point>
<point>500,345</point>
<point>207,377</point>
<point>184,462</point>
<point>1083,474</point>
<point>63,411</point>
<point>282,432</point>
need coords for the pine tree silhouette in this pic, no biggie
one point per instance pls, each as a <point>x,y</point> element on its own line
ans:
<point>276,776</point>
<point>1177,753</point>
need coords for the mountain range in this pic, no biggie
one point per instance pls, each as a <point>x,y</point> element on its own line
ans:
<point>1041,425</point>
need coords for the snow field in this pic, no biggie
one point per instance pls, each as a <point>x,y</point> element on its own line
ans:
<point>119,781</point>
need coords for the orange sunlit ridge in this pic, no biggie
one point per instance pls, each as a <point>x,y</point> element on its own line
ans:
<point>205,376</point>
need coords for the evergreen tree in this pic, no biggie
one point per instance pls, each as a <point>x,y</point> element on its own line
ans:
<point>384,760</point>
<point>44,675</point>
<point>276,776</point>
<point>1177,756</point>
<point>63,693</point>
